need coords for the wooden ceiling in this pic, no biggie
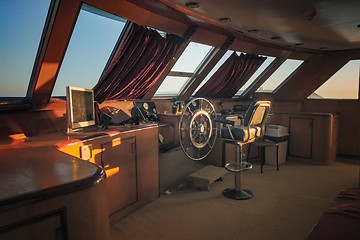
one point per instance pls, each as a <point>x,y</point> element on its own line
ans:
<point>313,24</point>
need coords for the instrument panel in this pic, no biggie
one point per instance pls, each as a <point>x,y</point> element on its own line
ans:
<point>146,111</point>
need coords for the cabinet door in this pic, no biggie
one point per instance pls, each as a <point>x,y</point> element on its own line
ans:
<point>49,227</point>
<point>148,164</point>
<point>119,160</point>
<point>301,131</point>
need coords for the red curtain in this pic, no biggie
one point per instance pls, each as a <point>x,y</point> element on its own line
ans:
<point>137,66</point>
<point>231,76</point>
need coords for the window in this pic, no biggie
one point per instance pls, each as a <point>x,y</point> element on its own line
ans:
<point>21,27</point>
<point>183,69</point>
<point>342,85</point>
<point>216,67</point>
<point>93,39</point>
<point>246,85</point>
<point>260,70</point>
<point>280,75</point>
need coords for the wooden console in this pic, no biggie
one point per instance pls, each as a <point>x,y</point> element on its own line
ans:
<point>45,194</point>
<point>313,137</point>
<point>129,155</point>
<point>76,193</point>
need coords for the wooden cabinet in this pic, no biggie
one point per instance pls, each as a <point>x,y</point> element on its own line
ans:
<point>147,155</point>
<point>131,163</point>
<point>313,137</point>
<point>119,160</point>
<point>130,158</point>
<point>301,130</point>
<point>77,215</point>
<point>46,194</point>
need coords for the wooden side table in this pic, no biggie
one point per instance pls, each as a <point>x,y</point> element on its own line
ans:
<point>262,144</point>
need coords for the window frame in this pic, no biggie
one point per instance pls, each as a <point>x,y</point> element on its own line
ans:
<point>95,15</point>
<point>189,75</point>
<point>257,78</point>
<point>337,98</point>
<point>25,101</point>
<point>281,83</point>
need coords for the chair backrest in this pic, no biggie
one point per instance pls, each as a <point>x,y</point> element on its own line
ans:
<point>256,114</point>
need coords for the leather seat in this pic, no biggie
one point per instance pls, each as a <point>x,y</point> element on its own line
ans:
<point>241,133</point>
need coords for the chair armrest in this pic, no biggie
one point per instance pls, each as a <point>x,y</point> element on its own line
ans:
<point>224,121</point>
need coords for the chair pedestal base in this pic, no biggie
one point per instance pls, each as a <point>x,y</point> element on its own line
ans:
<point>242,194</point>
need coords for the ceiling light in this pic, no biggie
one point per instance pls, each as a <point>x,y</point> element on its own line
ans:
<point>225,20</point>
<point>192,4</point>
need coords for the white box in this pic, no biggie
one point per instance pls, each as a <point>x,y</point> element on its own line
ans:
<point>276,131</point>
<point>280,135</point>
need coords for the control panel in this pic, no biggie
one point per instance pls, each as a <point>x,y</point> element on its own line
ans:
<point>145,111</point>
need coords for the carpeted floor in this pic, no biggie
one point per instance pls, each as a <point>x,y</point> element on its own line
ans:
<point>286,205</point>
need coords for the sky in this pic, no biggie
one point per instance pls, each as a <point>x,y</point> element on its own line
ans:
<point>90,47</point>
<point>21,24</point>
<point>94,36</point>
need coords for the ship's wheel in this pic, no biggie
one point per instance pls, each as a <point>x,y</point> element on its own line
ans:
<point>197,132</point>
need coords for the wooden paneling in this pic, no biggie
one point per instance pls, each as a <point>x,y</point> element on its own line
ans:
<point>46,194</point>
<point>51,226</point>
<point>301,130</point>
<point>147,154</point>
<point>80,215</point>
<point>348,126</point>
<point>312,136</point>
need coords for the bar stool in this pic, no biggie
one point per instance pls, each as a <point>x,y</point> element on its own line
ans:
<point>251,128</point>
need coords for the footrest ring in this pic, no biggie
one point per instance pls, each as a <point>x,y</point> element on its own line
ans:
<point>234,167</point>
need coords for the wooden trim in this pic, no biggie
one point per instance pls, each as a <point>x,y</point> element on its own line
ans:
<point>26,199</point>
<point>58,40</point>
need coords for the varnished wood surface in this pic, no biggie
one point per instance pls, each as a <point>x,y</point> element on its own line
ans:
<point>313,137</point>
<point>32,169</point>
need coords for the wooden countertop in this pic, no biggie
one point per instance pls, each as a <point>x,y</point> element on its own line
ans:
<point>307,113</point>
<point>32,169</point>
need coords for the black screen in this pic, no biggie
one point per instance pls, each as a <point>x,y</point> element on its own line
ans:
<point>82,106</point>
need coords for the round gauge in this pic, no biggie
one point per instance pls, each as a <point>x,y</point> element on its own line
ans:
<point>145,105</point>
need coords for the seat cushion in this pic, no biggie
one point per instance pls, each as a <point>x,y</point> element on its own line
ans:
<point>241,133</point>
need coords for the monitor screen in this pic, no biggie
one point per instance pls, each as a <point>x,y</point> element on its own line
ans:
<point>79,107</point>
